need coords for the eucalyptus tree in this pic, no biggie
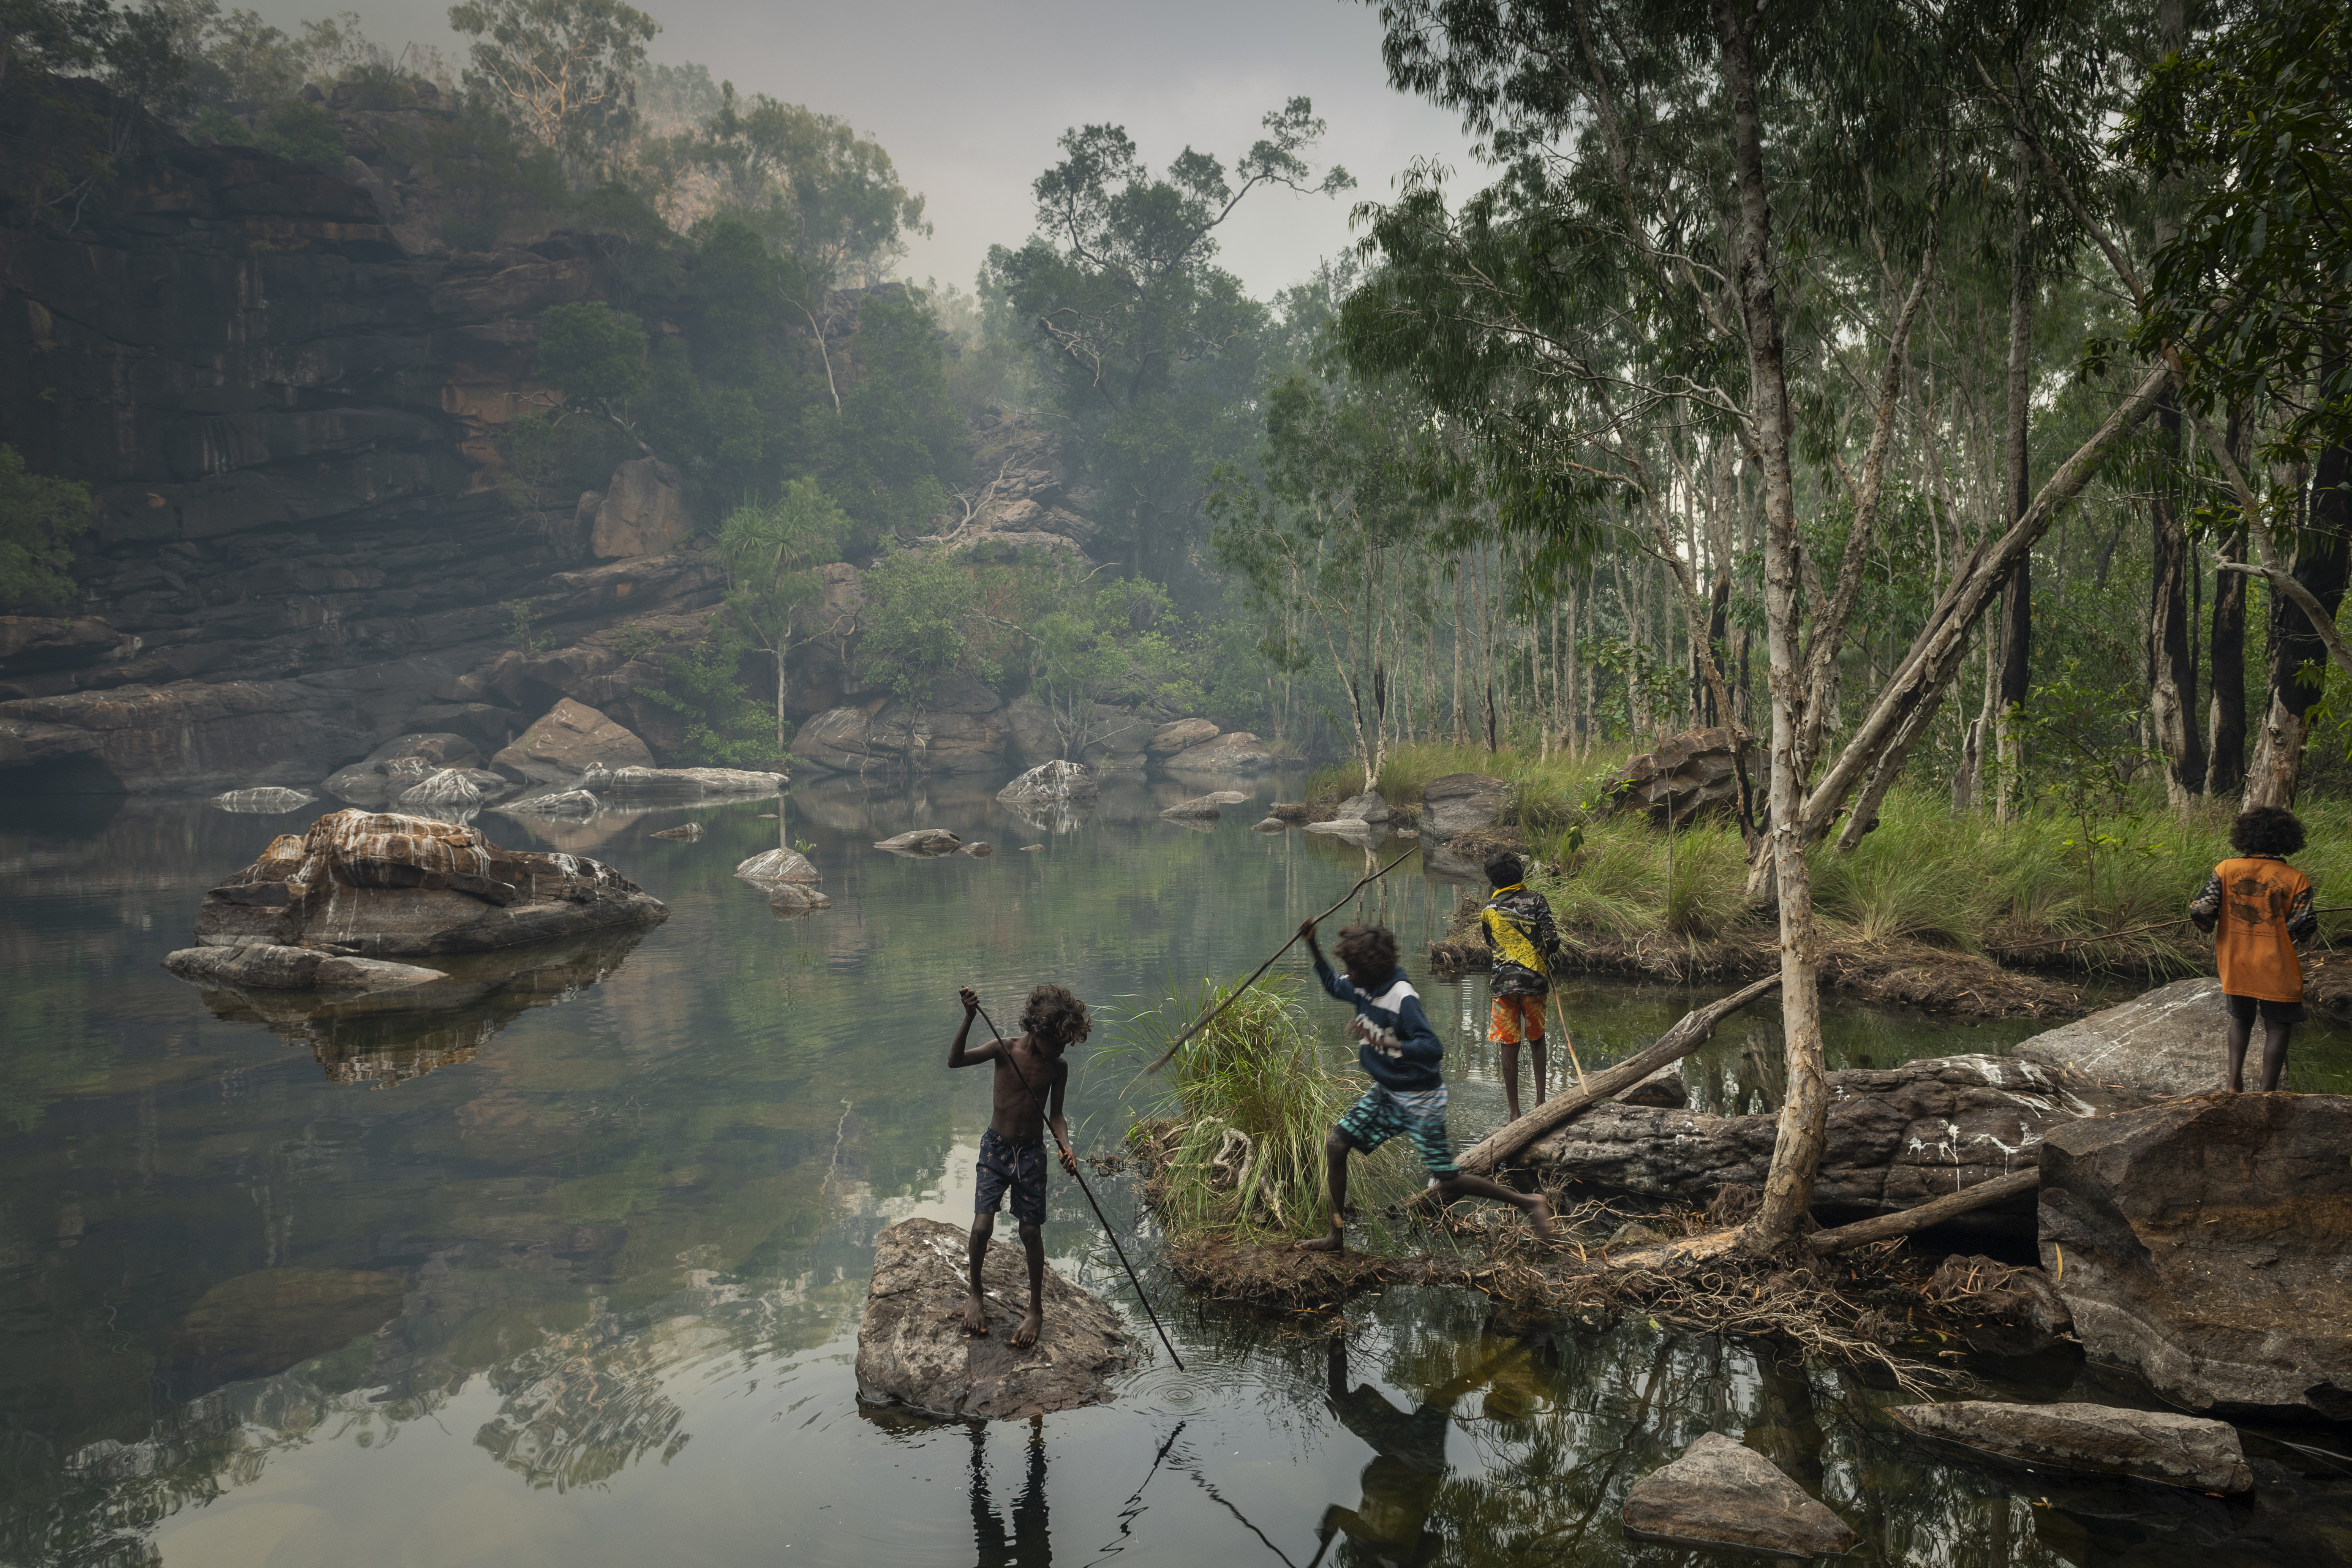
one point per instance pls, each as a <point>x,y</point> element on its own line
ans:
<point>564,70</point>
<point>1724,221</point>
<point>1148,348</point>
<point>772,553</point>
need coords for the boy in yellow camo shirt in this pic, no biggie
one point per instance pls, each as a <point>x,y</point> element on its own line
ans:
<point>2258,907</point>
<point>1516,927</point>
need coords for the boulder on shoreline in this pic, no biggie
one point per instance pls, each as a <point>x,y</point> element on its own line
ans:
<point>2199,1243</point>
<point>1170,739</point>
<point>666,786</point>
<point>1688,773</point>
<point>912,1349</point>
<point>380,884</point>
<point>1456,804</point>
<point>1366,807</point>
<point>1723,1493</point>
<point>2171,1040</point>
<point>2161,1446</point>
<point>1897,1136</point>
<point>1238,751</point>
<point>565,744</point>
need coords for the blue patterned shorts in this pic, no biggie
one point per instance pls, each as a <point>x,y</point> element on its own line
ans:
<point>1019,1168</point>
<point>1384,1113</point>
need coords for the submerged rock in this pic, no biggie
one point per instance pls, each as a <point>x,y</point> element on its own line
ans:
<point>912,1349</point>
<point>1269,825</point>
<point>265,801</point>
<point>1723,1493</point>
<point>1200,808</point>
<point>2171,1040</point>
<point>979,849</point>
<point>789,899</point>
<point>772,865</point>
<point>2200,1243</point>
<point>684,830</point>
<point>1055,781</point>
<point>382,884</point>
<point>1895,1137</point>
<point>2152,1444</point>
<point>635,783</point>
<point>921,841</point>
<point>562,803</point>
<point>292,968</point>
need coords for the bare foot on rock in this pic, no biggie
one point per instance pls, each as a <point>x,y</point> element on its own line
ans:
<point>975,1318</point>
<point>1335,1242</point>
<point>1026,1334</point>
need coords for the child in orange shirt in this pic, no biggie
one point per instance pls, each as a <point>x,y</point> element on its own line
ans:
<point>2258,907</point>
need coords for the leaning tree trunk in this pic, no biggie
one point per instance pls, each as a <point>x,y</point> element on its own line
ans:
<point>1804,1114</point>
<point>2323,554</point>
<point>2171,667</point>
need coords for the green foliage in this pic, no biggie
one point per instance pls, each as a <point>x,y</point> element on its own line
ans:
<point>2255,286</point>
<point>810,185</point>
<point>1256,1095</point>
<point>493,174</point>
<point>597,354</point>
<point>519,619</point>
<point>563,71</point>
<point>772,553</point>
<point>702,682</point>
<point>1147,348</point>
<point>39,519</point>
<point>304,131</point>
<point>915,622</point>
<point>2083,744</point>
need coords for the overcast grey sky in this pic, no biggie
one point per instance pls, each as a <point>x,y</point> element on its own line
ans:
<point>969,97</point>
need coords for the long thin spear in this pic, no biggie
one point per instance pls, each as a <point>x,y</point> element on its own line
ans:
<point>1361,883</point>
<point>1010,1060</point>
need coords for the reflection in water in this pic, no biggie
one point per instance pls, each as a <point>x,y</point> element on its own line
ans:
<point>386,1038</point>
<point>1026,1541</point>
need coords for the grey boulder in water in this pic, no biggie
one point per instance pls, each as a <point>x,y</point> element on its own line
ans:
<point>912,1349</point>
<point>923,841</point>
<point>273,968</point>
<point>263,802</point>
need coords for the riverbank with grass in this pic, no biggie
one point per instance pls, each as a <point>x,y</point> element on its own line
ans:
<point>1952,912</point>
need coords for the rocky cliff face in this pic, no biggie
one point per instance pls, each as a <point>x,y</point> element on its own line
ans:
<point>283,406</point>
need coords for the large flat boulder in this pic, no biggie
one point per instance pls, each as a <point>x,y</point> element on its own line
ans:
<point>379,885</point>
<point>1454,804</point>
<point>1170,739</point>
<point>2202,1243</point>
<point>2099,1440</point>
<point>912,1349</point>
<point>1687,774</point>
<point>1368,807</point>
<point>772,867</point>
<point>2171,1040</point>
<point>263,966</point>
<point>1724,1493</point>
<point>572,738</point>
<point>643,513</point>
<point>1236,752</point>
<point>1895,1137</point>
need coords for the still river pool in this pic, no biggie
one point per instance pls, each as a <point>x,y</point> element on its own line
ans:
<point>574,1277</point>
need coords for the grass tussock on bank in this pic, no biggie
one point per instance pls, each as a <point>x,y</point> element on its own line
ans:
<point>1234,1150</point>
<point>2045,892</point>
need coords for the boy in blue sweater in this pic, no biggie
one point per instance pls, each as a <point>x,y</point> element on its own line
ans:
<point>1401,1052</point>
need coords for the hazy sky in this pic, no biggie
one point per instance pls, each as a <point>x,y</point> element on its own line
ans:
<point>968,98</point>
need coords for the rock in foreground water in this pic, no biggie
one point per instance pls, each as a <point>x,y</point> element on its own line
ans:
<point>2153,1444</point>
<point>1722,1493</point>
<point>2199,1243</point>
<point>272,968</point>
<point>921,841</point>
<point>912,1349</point>
<point>378,885</point>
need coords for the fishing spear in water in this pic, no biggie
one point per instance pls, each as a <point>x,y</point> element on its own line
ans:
<point>1361,883</point>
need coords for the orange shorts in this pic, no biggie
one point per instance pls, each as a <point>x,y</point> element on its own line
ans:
<point>1512,1019</point>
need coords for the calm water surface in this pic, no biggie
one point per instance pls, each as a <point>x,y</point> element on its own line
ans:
<point>572,1275</point>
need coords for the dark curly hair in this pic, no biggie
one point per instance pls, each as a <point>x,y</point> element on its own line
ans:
<point>2266,830</point>
<point>1368,954</point>
<point>1055,1018</point>
<point>1505,869</point>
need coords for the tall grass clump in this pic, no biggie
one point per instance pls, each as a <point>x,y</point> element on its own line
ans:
<point>1544,790</point>
<point>1238,1144</point>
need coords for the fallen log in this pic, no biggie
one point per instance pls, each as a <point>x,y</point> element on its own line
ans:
<point>1687,1036</point>
<point>1878,1227</point>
